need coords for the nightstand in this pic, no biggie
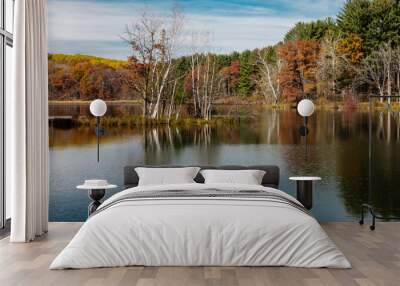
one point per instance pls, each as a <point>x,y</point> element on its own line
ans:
<point>96,191</point>
<point>304,192</point>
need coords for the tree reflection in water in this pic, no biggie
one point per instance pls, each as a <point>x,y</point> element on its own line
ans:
<point>173,137</point>
<point>352,164</point>
<point>338,150</point>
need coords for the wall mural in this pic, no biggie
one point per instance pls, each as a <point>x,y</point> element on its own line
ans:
<point>217,82</point>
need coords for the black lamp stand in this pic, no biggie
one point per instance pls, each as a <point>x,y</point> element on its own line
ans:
<point>368,206</point>
<point>304,132</point>
<point>99,132</point>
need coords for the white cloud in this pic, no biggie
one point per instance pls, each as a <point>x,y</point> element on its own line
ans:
<point>240,33</point>
<point>70,20</point>
<point>81,26</point>
<point>319,8</point>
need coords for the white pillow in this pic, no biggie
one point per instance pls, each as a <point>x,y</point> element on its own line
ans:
<point>248,177</point>
<point>166,176</point>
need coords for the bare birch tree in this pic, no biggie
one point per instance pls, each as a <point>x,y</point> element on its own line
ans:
<point>387,55</point>
<point>397,70</point>
<point>371,72</point>
<point>269,68</point>
<point>201,80</point>
<point>329,64</point>
<point>378,70</point>
<point>154,40</point>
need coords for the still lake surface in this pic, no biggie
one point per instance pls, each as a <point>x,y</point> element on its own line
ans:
<point>337,151</point>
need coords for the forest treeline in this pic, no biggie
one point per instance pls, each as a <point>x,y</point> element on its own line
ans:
<point>354,55</point>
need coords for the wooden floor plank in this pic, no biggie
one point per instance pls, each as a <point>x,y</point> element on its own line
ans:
<point>375,257</point>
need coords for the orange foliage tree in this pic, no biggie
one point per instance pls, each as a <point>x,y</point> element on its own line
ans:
<point>87,78</point>
<point>132,74</point>
<point>100,80</point>
<point>230,76</point>
<point>297,77</point>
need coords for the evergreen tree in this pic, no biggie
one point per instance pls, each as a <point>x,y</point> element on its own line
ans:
<point>384,26</point>
<point>375,21</point>
<point>246,70</point>
<point>354,17</point>
<point>314,30</point>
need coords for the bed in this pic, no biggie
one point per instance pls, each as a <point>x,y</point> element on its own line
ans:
<point>201,224</point>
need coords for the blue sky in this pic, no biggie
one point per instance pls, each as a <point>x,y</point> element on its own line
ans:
<point>95,26</point>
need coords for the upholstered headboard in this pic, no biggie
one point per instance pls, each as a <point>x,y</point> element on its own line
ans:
<point>270,179</point>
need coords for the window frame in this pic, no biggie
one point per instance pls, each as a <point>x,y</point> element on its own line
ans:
<point>6,39</point>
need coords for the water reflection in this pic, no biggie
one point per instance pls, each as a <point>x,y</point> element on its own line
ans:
<point>160,138</point>
<point>337,151</point>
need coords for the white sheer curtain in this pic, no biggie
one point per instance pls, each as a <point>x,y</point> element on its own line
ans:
<point>27,123</point>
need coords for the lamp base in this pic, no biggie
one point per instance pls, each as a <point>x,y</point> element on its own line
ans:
<point>96,195</point>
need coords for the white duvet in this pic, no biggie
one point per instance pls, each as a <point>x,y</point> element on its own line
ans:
<point>202,232</point>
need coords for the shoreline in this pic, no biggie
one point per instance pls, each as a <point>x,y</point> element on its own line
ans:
<point>138,102</point>
<point>320,104</point>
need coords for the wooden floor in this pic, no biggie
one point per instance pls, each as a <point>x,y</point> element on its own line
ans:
<point>375,257</point>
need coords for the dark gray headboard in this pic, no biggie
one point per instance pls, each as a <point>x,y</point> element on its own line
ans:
<point>271,177</point>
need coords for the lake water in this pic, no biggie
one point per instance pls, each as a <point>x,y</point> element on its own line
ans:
<point>337,151</point>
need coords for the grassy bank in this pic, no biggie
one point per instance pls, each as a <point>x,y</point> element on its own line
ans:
<point>139,121</point>
<point>321,104</point>
<point>87,102</point>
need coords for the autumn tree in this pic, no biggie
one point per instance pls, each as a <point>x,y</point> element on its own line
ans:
<point>131,74</point>
<point>79,70</point>
<point>297,77</point>
<point>351,48</point>
<point>99,81</point>
<point>62,84</point>
<point>229,78</point>
<point>82,77</point>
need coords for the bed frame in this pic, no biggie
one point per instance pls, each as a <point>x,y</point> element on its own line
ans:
<point>270,179</point>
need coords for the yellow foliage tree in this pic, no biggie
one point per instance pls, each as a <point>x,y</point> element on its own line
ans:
<point>351,48</point>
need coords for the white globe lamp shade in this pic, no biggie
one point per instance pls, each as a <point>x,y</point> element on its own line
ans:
<point>98,107</point>
<point>305,107</point>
